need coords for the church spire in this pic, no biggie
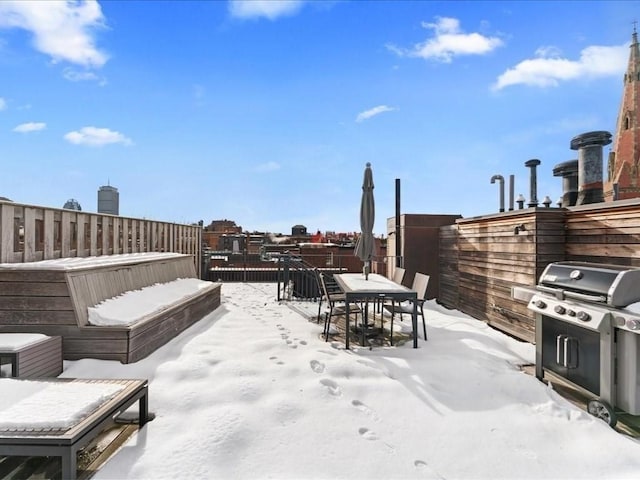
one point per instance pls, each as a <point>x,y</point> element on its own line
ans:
<point>624,160</point>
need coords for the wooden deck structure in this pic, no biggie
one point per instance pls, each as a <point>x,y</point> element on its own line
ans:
<point>42,358</point>
<point>481,258</point>
<point>53,298</point>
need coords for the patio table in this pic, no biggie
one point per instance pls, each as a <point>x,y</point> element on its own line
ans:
<point>356,288</point>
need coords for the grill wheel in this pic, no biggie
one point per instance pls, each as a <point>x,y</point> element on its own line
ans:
<point>603,411</point>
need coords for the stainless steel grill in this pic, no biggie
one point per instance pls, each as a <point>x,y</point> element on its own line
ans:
<point>588,331</point>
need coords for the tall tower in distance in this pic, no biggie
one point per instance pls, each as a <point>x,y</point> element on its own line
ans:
<point>108,200</point>
<point>623,180</point>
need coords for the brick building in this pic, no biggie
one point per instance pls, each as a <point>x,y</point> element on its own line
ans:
<point>216,229</point>
<point>623,180</point>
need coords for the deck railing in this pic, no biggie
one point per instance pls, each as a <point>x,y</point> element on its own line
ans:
<point>295,277</point>
<point>31,233</point>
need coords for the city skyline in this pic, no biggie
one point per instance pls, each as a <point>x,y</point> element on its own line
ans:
<point>267,112</point>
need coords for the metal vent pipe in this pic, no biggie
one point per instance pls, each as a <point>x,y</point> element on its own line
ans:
<point>533,181</point>
<point>500,180</point>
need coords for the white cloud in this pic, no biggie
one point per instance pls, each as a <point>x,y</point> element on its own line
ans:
<point>268,167</point>
<point>449,41</point>
<point>549,68</point>
<point>30,127</point>
<point>96,137</point>
<point>271,9</point>
<point>63,30</point>
<point>372,112</point>
<point>74,75</point>
<point>3,104</point>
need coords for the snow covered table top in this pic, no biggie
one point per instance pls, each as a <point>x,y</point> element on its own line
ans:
<point>37,404</point>
<point>11,342</point>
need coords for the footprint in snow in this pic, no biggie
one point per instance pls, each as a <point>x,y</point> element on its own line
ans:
<point>367,434</point>
<point>424,466</point>
<point>279,362</point>
<point>364,409</point>
<point>316,366</point>
<point>333,387</point>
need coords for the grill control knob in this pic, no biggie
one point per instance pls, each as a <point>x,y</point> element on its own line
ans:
<point>633,324</point>
<point>559,309</point>
<point>571,313</point>
<point>540,304</point>
<point>619,321</point>
<point>583,316</point>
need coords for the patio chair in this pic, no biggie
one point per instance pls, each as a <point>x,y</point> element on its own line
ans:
<point>332,287</point>
<point>337,306</point>
<point>398,275</point>
<point>420,284</point>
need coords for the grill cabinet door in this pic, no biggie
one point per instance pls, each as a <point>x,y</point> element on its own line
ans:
<point>572,352</point>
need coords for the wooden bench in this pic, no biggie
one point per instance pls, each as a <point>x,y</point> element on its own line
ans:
<point>39,441</point>
<point>31,355</point>
<point>52,297</point>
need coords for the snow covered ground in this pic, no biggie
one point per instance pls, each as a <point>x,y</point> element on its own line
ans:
<point>253,392</point>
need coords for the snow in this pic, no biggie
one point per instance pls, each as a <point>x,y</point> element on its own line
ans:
<point>252,392</point>
<point>41,404</point>
<point>75,263</point>
<point>12,342</point>
<point>135,305</point>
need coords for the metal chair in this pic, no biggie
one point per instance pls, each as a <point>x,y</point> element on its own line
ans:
<point>337,306</point>
<point>420,284</point>
<point>398,275</point>
<point>332,287</point>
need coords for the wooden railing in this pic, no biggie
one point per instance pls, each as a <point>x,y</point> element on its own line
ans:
<point>31,233</point>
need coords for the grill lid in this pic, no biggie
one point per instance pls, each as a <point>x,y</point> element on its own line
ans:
<point>615,285</point>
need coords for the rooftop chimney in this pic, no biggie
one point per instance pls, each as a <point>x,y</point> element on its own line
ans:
<point>569,172</point>
<point>589,146</point>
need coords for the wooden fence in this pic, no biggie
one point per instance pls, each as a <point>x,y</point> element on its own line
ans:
<point>481,258</point>
<point>30,233</point>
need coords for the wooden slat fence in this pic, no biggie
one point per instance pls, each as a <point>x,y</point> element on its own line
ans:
<point>31,233</point>
<point>495,253</point>
<point>481,258</point>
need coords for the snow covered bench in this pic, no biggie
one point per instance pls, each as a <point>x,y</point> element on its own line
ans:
<point>30,355</point>
<point>55,297</point>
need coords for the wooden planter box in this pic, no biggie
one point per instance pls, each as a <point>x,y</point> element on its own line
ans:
<point>42,358</point>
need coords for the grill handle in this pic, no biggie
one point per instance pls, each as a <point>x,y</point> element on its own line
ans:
<point>571,352</point>
<point>561,351</point>
<point>560,294</point>
<point>566,351</point>
<point>585,297</point>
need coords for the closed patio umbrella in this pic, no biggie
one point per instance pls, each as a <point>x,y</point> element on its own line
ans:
<point>365,247</point>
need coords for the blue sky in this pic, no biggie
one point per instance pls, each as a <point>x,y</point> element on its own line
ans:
<point>266,112</point>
